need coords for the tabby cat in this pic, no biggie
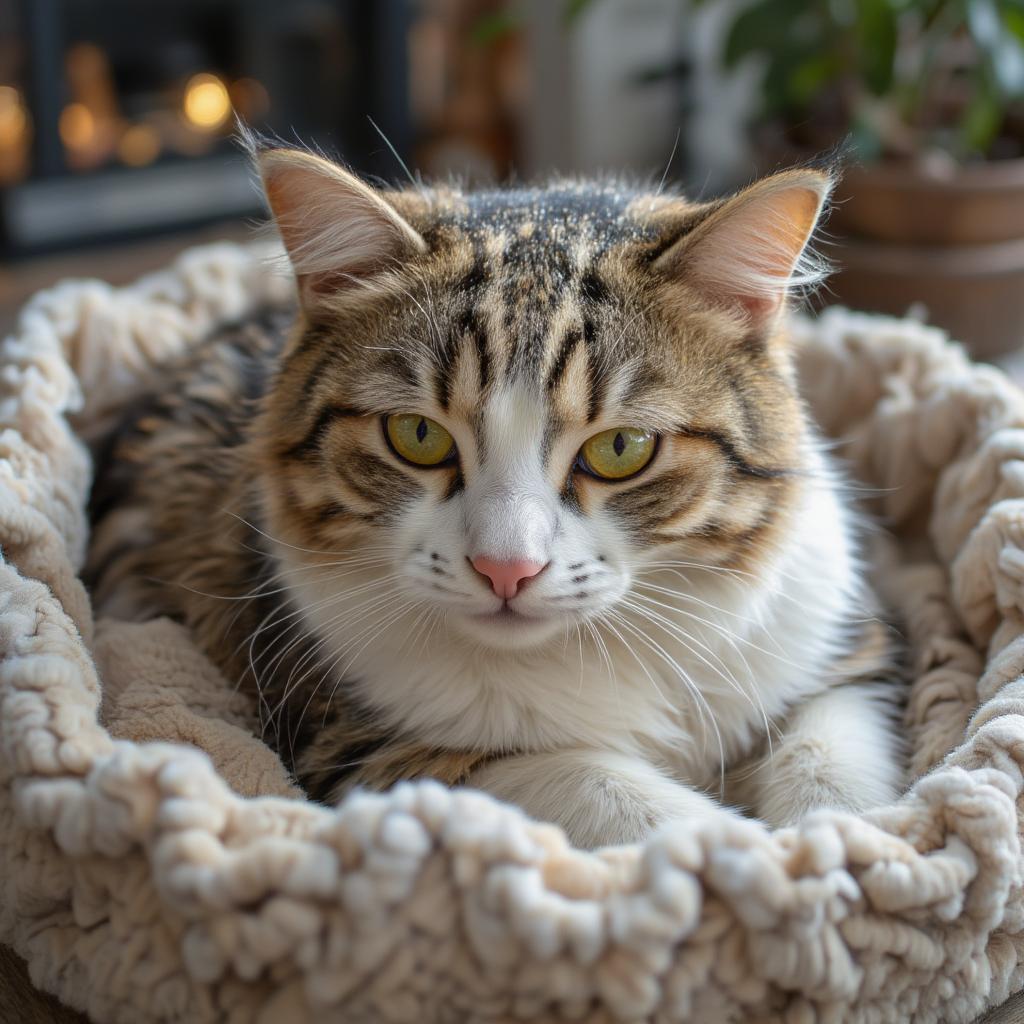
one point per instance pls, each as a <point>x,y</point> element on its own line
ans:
<point>521,495</point>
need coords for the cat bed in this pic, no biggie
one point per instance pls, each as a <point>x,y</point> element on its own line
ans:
<point>158,865</point>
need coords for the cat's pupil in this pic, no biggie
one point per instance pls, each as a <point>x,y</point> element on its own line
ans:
<point>421,430</point>
<point>619,444</point>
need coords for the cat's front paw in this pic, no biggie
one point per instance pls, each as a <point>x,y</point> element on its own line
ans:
<point>599,798</point>
<point>807,780</point>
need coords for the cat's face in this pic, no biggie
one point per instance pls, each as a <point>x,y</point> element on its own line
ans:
<point>509,404</point>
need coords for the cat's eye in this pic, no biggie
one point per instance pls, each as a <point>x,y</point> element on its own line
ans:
<point>419,440</point>
<point>618,453</point>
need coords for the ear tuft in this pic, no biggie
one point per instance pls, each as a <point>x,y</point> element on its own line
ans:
<point>338,231</point>
<point>753,249</point>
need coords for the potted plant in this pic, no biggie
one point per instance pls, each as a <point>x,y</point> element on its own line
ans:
<point>928,98</point>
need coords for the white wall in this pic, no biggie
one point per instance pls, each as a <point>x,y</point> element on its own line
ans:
<point>586,115</point>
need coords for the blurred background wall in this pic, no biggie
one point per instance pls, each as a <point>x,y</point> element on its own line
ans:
<point>116,121</point>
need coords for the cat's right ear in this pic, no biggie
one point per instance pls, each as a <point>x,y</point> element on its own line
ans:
<point>338,231</point>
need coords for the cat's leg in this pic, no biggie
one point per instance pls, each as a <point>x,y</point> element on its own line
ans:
<point>599,797</point>
<point>839,749</point>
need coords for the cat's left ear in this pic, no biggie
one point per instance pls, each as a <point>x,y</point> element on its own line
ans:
<point>339,232</point>
<point>751,249</point>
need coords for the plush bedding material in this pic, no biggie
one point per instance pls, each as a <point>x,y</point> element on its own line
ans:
<point>157,863</point>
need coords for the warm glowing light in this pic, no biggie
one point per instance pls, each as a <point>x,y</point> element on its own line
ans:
<point>13,120</point>
<point>77,126</point>
<point>207,104</point>
<point>140,145</point>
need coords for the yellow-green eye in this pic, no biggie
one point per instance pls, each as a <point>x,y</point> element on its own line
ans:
<point>419,440</point>
<point>618,453</point>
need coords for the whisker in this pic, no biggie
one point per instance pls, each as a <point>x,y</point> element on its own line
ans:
<point>681,636</point>
<point>728,635</point>
<point>331,669</point>
<point>685,639</point>
<point>339,595</point>
<point>579,640</point>
<point>608,618</point>
<point>351,617</point>
<point>606,659</point>
<point>359,566</point>
<point>390,621</point>
<point>295,547</point>
<point>681,672</point>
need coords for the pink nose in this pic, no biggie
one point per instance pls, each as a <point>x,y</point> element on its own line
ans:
<point>506,577</point>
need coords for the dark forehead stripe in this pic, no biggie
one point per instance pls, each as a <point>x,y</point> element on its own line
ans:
<point>467,331</point>
<point>542,233</point>
<point>471,325</point>
<point>476,276</point>
<point>319,342</point>
<point>445,369</point>
<point>534,280</point>
<point>483,356</point>
<point>592,287</point>
<point>572,339</point>
<point>597,379</point>
<point>469,288</point>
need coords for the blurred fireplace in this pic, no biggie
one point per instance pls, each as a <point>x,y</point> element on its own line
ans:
<point>116,115</point>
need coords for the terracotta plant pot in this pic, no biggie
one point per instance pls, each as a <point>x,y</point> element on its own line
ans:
<point>954,245</point>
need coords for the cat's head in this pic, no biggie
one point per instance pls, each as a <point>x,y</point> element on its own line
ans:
<point>509,403</point>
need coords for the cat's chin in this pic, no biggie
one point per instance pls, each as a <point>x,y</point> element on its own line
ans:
<point>508,630</point>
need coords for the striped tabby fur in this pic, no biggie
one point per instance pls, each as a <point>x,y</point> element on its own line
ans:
<point>684,616</point>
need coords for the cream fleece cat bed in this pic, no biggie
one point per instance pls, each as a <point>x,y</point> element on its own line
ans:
<point>158,866</point>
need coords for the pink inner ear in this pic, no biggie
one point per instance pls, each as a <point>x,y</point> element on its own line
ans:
<point>793,216</point>
<point>338,231</point>
<point>746,254</point>
<point>759,307</point>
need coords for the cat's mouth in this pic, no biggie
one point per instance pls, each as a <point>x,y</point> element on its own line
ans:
<point>507,628</point>
<point>506,614</point>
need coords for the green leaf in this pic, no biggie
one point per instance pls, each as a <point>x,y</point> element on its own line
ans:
<point>787,73</point>
<point>877,33</point>
<point>764,27</point>
<point>492,27</point>
<point>981,121</point>
<point>808,76</point>
<point>1001,48</point>
<point>1013,19</point>
<point>574,8</point>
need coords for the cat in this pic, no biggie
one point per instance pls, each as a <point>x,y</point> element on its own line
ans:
<point>521,495</point>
